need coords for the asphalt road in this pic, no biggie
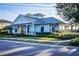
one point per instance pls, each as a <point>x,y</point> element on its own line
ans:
<point>14,48</point>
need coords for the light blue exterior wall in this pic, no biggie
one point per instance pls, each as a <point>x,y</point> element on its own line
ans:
<point>47,28</point>
<point>33,29</point>
<point>21,20</point>
<point>36,28</point>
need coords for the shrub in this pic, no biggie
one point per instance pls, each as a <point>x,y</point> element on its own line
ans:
<point>75,42</point>
<point>70,36</point>
<point>62,35</point>
<point>43,34</point>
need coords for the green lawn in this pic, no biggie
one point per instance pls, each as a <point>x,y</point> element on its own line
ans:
<point>48,38</point>
<point>31,41</point>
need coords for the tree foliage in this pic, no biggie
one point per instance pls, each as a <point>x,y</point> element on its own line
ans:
<point>69,10</point>
<point>28,14</point>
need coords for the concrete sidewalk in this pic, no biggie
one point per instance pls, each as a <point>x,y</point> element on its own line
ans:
<point>53,41</point>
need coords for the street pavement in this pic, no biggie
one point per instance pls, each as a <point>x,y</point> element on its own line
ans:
<point>15,48</point>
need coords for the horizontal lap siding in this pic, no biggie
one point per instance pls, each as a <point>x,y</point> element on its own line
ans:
<point>37,28</point>
<point>46,28</point>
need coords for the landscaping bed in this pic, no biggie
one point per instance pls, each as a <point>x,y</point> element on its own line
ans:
<point>65,35</point>
<point>59,35</point>
<point>73,42</point>
<point>48,38</point>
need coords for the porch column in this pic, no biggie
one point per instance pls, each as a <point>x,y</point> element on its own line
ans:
<point>26,29</point>
<point>33,29</point>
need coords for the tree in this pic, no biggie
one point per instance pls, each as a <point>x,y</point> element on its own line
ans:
<point>69,11</point>
<point>28,14</point>
<point>39,14</point>
<point>36,15</point>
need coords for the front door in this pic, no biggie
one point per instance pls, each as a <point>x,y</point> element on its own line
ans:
<point>42,29</point>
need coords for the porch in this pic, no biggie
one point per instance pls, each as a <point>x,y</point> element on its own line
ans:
<point>21,29</point>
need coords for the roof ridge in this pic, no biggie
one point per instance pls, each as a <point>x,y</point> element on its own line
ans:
<point>57,19</point>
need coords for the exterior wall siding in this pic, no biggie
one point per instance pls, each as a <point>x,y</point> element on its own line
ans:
<point>46,28</point>
<point>21,20</point>
<point>36,28</point>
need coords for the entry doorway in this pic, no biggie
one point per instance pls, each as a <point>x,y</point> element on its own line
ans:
<point>42,29</point>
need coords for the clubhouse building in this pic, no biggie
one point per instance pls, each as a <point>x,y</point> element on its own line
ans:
<point>31,25</point>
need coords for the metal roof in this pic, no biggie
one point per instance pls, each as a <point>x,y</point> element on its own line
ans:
<point>47,20</point>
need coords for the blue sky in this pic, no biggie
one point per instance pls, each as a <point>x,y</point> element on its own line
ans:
<point>10,11</point>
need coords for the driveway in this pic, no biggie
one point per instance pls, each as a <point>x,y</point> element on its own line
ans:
<point>14,48</point>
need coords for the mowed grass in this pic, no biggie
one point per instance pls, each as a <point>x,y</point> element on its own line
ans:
<point>47,38</point>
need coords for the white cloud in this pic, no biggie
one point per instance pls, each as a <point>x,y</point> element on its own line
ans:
<point>11,11</point>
